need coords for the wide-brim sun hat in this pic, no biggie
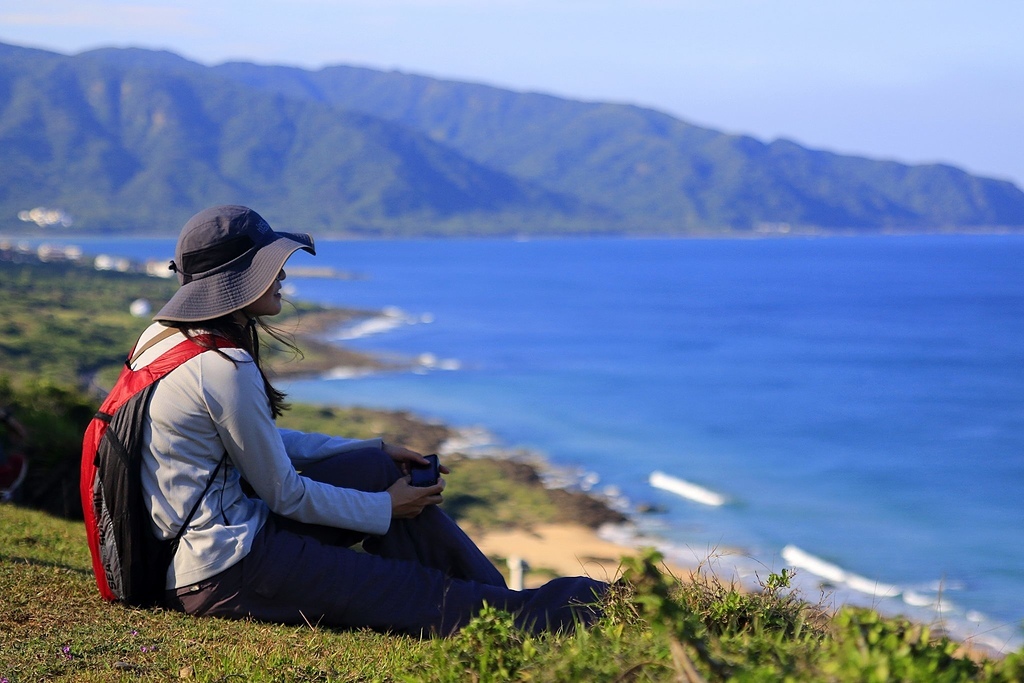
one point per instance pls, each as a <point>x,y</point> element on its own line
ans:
<point>227,257</point>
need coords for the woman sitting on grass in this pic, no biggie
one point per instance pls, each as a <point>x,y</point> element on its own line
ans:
<point>283,553</point>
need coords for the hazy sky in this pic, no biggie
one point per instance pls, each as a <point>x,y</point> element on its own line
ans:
<point>912,80</point>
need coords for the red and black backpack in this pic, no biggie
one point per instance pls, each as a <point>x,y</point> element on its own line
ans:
<point>129,562</point>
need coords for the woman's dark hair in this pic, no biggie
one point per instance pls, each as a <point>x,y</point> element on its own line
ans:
<point>246,337</point>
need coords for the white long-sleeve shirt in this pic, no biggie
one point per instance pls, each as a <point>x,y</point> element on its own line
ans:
<point>208,406</point>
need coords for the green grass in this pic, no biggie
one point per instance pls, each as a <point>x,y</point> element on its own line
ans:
<point>53,626</point>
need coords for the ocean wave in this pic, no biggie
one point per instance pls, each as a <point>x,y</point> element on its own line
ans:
<point>836,575</point>
<point>389,319</point>
<point>368,327</point>
<point>428,361</point>
<point>923,603</point>
<point>917,599</point>
<point>470,441</point>
<point>346,372</point>
<point>688,490</point>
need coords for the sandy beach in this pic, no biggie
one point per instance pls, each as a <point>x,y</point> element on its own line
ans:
<point>556,550</point>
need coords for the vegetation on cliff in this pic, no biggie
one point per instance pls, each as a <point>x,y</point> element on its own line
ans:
<point>134,140</point>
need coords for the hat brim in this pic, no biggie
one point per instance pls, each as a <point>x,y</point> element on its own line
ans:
<point>232,290</point>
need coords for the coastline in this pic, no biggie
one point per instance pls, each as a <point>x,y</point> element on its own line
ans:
<point>309,328</point>
<point>589,535</point>
<point>574,546</point>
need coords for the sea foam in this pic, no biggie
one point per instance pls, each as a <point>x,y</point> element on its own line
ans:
<point>688,490</point>
<point>389,319</point>
<point>835,574</point>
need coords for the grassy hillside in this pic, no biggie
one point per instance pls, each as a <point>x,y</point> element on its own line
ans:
<point>53,626</point>
<point>63,322</point>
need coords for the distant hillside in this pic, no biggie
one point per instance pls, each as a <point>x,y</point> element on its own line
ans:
<point>140,142</point>
<point>136,140</point>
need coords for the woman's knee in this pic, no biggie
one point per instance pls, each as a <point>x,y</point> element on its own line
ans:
<point>365,469</point>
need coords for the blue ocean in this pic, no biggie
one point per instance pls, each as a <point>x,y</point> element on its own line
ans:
<point>850,407</point>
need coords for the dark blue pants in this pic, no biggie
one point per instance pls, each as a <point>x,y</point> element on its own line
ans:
<point>425,576</point>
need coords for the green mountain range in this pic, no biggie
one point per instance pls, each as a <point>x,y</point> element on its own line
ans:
<point>135,141</point>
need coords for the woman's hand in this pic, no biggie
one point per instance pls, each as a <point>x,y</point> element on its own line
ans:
<point>406,458</point>
<point>408,501</point>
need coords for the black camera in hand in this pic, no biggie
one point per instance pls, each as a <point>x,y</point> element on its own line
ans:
<point>425,475</point>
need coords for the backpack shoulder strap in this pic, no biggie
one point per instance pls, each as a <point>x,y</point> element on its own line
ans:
<point>131,382</point>
<point>156,339</point>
